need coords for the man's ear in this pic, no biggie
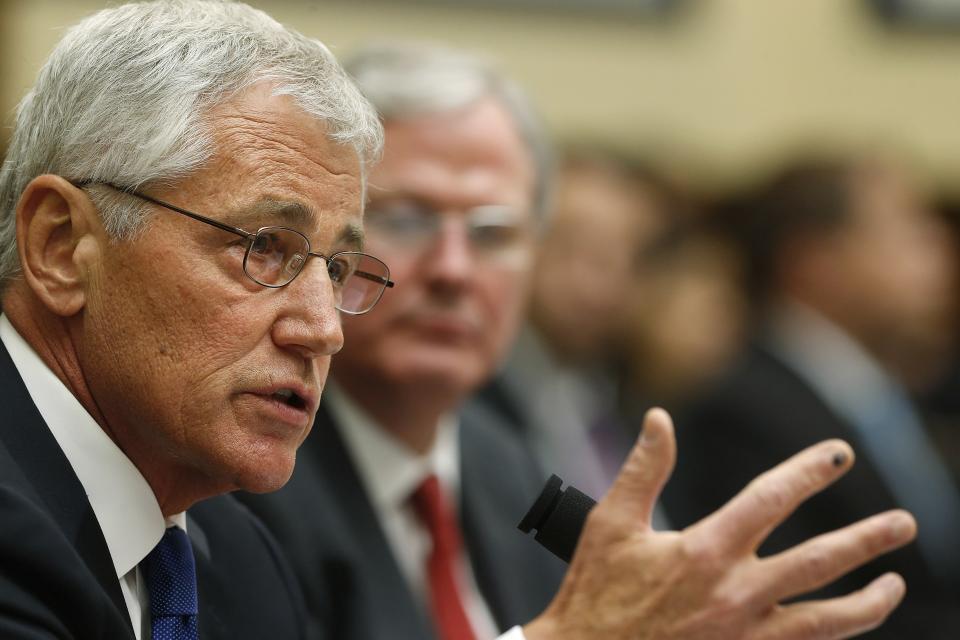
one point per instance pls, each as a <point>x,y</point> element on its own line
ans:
<point>58,232</point>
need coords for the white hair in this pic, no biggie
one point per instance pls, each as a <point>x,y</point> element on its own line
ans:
<point>123,99</point>
<point>407,79</point>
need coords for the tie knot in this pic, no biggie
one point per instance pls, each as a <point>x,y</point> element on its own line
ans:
<point>435,511</point>
<point>428,500</point>
<point>171,576</point>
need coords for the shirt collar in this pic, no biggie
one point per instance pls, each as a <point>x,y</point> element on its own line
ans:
<point>122,500</point>
<point>830,360</point>
<point>389,470</point>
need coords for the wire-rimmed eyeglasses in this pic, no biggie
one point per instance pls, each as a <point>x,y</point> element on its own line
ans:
<point>496,233</point>
<point>276,255</point>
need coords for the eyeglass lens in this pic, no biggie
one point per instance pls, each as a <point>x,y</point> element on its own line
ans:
<point>492,230</point>
<point>276,255</point>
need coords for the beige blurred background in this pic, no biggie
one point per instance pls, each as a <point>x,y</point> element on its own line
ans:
<point>719,90</point>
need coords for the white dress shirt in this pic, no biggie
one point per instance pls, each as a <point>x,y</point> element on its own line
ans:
<point>122,500</point>
<point>390,473</point>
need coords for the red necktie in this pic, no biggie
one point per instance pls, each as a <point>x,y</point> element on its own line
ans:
<point>449,615</point>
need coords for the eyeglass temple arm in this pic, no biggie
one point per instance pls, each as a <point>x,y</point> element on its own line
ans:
<point>167,205</point>
<point>216,223</point>
<point>386,282</point>
<point>372,276</point>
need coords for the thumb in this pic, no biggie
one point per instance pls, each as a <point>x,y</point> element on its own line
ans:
<point>646,470</point>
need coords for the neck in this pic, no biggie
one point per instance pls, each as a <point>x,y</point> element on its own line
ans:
<point>410,412</point>
<point>58,341</point>
<point>55,341</point>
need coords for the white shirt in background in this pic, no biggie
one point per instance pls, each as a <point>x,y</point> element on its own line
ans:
<point>390,473</point>
<point>122,501</point>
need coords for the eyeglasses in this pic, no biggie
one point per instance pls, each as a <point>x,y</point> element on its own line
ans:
<point>277,255</point>
<point>495,232</point>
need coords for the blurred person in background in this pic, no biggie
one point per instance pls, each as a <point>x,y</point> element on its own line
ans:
<point>851,268</point>
<point>560,385</point>
<point>394,466</point>
<point>685,320</point>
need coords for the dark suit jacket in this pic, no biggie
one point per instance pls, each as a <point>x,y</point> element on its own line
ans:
<point>57,579</point>
<point>354,587</point>
<point>760,414</point>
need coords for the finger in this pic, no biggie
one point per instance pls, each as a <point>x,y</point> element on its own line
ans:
<point>745,521</point>
<point>842,617</point>
<point>823,559</point>
<point>646,470</point>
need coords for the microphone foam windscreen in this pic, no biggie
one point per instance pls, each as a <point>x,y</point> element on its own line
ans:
<point>558,515</point>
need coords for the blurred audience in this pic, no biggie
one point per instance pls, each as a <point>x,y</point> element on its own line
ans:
<point>684,321</point>
<point>560,385</point>
<point>854,278</point>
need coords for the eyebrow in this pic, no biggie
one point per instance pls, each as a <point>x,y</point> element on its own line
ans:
<point>283,211</point>
<point>352,237</point>
<point>385,195</point>
<point>294,215</point>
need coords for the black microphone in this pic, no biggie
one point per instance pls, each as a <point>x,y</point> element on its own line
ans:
<point>558,515</point>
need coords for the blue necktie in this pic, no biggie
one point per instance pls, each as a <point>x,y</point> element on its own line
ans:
<point>172,582</point>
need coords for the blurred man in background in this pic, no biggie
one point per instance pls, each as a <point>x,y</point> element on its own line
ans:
<point>685,320</point>
<point>395,467</point>
<point>852,268</point>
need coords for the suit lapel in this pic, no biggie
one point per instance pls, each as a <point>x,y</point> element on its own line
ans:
<point>516,577</point>
<point>213,626</point>
<point>484,530</point>
<point>47,470</point>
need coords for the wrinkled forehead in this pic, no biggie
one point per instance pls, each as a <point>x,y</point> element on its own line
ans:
<point>266,128</point>
<point>274,163</point>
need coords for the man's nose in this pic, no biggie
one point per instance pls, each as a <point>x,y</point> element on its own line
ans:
<point>309,321</point>
<point>450,259</point>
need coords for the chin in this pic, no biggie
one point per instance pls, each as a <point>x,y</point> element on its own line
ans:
<point>453,376</point>
<point>265,484</point>
<point>268,473</point>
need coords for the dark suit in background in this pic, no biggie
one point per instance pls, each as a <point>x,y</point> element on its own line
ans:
<point>325,521</point>
<point>57,579</point>
<point>762,412</point>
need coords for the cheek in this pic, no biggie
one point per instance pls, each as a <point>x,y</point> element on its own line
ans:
<point>363,332</point>
<point>504,299</point>
<point>187,327</point>
<point>406,295</point>
<point>167,343</point>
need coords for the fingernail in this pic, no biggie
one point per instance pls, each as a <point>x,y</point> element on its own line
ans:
<point>651,436</point>
<point>901,526</point>
<point>892,585</point>
<point>648,436</point>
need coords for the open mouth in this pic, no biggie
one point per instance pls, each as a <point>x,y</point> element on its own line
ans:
<point>291,399</point>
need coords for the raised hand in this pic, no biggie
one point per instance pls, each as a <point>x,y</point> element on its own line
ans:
<point>706,582</point>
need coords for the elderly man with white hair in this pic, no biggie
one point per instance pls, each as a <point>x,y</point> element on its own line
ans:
<point>166,329</point>
<point>181,236</point>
